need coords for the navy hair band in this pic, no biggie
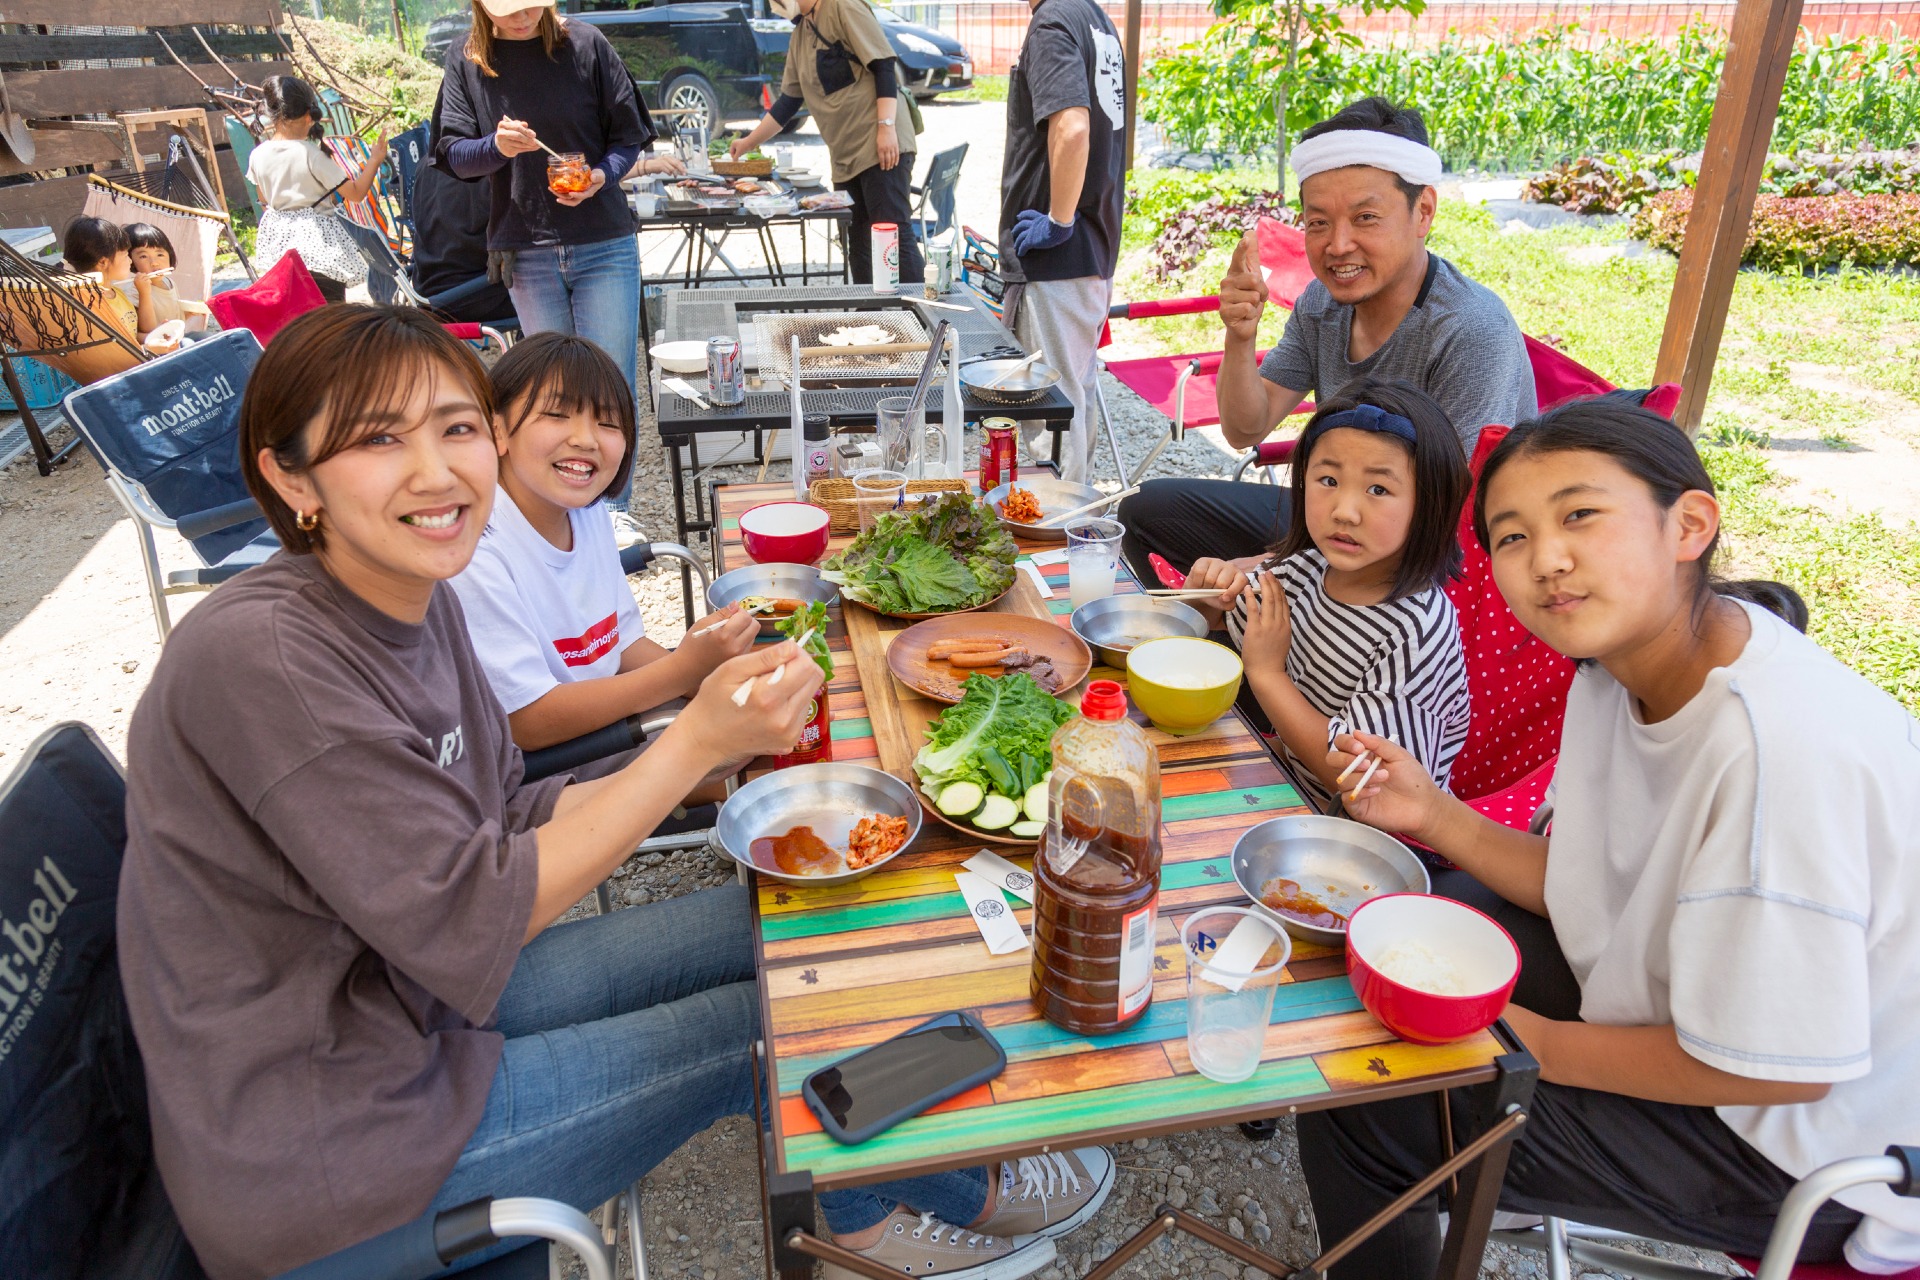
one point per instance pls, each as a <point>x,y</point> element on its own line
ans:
<point>1366,417</point>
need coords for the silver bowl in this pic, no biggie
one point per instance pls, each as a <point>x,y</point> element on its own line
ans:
<point>1112,627</point>
<point>830,798</point>
<point>1341,862</point>
<point>1057,497</point>
<point>800,581</point>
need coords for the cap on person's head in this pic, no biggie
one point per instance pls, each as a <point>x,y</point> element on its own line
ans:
<point>507,8</point>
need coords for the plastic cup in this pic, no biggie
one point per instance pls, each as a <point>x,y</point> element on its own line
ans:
<point>899,437</point>
<point>1093,555</point>
<point>1234,962</point>
<point>877,491</point>
<point>646,204</point>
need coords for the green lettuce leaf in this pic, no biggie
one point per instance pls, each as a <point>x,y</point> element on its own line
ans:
<point>948,553</point>
<point>1009,713</point>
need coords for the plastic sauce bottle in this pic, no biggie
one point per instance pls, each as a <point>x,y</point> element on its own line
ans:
<point>1098,870</point>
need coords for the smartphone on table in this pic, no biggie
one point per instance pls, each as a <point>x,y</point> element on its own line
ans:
<point>877,1088</point>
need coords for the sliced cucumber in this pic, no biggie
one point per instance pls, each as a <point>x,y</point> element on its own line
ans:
<point>960,799</point>
<point>1029,830</point>
<point>997,813</point>
<point>1035,802</point>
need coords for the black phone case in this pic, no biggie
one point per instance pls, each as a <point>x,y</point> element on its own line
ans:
<point>953,1090</point>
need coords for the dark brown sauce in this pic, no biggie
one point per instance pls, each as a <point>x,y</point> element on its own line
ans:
<point>1288,899</point>
<point>1078,921</point>
<point>799,852</point>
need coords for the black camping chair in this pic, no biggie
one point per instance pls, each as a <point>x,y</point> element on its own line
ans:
<point>938,192</point>
<point>168,434</point>
<point>389,285</point>
<point>80,1195</point>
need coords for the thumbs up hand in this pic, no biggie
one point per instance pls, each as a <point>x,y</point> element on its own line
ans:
<point>1243,291</point>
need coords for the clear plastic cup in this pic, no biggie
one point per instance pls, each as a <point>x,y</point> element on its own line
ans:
<point>1093,555</point>
<point>900,439</point>
<point>877,491</point>
<point>1235,959</point>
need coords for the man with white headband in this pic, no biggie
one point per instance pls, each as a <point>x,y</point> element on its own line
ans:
<point>1380,305</point>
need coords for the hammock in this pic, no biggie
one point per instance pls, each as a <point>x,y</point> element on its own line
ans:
<point>61,319</point>
<point>179,200</point>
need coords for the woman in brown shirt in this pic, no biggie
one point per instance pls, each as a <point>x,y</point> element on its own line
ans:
<point>336,903</point>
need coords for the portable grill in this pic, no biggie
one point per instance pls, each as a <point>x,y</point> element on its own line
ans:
<point>774,336</point>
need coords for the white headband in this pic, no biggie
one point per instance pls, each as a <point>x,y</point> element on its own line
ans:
<point>1414,163</point>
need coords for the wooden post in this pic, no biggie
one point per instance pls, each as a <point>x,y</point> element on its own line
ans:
<point>1133,72</point>
<point>1758,49</point>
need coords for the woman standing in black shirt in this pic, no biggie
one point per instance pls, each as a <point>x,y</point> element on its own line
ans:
<point>525,76</point>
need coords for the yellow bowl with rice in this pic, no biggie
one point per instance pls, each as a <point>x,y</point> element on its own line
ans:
<point>1182,683</point>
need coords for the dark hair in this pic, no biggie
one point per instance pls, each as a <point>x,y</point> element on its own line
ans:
<point>1653,451</point>
<point>327,369</point>
<point>144,235</point>
<point>89,241</point>
<point>479,47</point>
<point>565,373</point>
<point>289,98</point>
<point>1440,482</point>
<point>1377,115</point>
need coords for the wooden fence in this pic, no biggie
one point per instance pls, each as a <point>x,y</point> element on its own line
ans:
<point>66,60</point>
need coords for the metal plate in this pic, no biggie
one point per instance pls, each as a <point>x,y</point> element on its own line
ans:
<point>802,582</point>
<point>1341,862</point>
<point>1115,625</point>
<point>830,798</point>
<point>1056,498</point>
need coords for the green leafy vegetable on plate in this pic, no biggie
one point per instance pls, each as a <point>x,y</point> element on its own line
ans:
<point>809,620</point>
<point>941,556</point>
<point>998,738</point>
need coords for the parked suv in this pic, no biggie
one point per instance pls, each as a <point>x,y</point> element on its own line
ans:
<point>700,54</point>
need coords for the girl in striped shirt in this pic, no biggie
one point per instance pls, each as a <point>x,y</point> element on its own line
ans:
<point>1344,625</point>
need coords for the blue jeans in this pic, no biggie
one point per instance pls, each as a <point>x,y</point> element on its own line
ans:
<point>588,289</point>
<point>626,1035</point>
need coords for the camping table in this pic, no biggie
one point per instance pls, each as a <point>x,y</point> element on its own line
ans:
<point>841,969</point>
<point>702,232</point>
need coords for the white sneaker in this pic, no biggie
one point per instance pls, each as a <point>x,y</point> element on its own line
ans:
<point>626,530</point>
<point>1052,1194</point>
<point>919,1244</point>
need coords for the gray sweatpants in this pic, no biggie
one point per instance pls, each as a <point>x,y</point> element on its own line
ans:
<point>1064,318</point>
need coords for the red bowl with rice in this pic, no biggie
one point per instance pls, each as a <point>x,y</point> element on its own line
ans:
<point>1432,970</point>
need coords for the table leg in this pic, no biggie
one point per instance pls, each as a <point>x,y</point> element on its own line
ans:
<point>772,250</point>
<point>1479,1186</point>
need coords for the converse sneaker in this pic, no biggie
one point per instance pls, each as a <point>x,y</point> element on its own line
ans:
<point>626,530</point>
<point>919,1244</point>
<point>1052,1194</point>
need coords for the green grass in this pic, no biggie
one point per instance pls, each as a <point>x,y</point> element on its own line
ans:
<point>1802,358</point>
<point>985,89</point>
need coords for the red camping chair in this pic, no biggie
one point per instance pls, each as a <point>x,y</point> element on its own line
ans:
<point>270,303</point>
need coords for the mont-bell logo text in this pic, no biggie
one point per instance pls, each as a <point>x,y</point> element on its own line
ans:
<point>193,403</point>
<point>30,951</point>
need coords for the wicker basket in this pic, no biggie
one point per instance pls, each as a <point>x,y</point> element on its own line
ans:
<point>761,168</point>
<point>836,495</point>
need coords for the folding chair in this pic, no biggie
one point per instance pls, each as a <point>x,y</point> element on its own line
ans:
<point>938,192</point>
<point>388,285</point>
<point>81,1195</point>
<point>167,434</point>
<point>178,198</point>
<point>60,319</point>
<point>408,151</point>
<point>379,210</point>
<point>243,143</point>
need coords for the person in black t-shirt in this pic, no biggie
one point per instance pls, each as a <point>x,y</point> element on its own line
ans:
<point>450,245</point>
<point>523,77</point>
<point>1060,197</point>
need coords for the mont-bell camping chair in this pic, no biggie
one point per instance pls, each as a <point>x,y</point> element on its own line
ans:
<point>80,1195</point>
<point>167,433</point>
<point>937,194</point>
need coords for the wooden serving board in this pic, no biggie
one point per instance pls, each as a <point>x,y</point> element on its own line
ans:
<point>900,715</point>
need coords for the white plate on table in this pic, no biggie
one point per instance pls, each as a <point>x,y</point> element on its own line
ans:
<point>688,356</point>
<point>802,177</point>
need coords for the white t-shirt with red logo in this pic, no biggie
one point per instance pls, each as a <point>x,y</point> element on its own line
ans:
<point>540,616</point>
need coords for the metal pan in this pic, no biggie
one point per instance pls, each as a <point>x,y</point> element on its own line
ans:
<point>830,798</point>
<point>1025,387</point>
<point>1337,860</point>
<point>800,581</point>
<point>1056,497</point>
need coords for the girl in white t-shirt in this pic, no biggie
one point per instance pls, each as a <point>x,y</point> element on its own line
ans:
<point>547,603</point>
<point>1724,992</point>
<point>1346,625</point>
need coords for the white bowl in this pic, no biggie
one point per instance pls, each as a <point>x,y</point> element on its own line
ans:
<point>687,356</point>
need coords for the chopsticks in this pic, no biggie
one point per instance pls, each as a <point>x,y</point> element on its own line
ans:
<point>1050,521</point>
<point>1365,778</point>
<point>745,691</point>
<point>1182,593</point>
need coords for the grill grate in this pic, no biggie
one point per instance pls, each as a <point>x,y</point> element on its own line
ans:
<point>774,336</point>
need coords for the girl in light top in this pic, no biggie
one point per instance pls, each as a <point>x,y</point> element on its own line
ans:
<point>1346,625</point>
<point>547,603</point>
<point>94,246</point>
<point>153,260</point>
<point>298,183</point>
<point>1725,991</point>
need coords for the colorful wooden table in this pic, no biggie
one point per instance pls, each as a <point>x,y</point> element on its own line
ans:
<point>843,968</point>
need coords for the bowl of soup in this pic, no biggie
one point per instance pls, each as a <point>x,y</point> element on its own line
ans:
<point>1183,683</point>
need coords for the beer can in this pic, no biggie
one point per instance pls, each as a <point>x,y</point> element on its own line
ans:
<point>944,256</point>
<point>726,373</point>
<point>886,257</point>
<point>999,454</point>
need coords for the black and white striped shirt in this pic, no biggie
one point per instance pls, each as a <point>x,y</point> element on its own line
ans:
<point>1394,669</point>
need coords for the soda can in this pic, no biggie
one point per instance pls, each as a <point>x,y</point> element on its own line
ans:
<point>816,740</point>
<point>886,257</point>
<point>726,373</point>
<point>944,257</point>
<point>999,454</point>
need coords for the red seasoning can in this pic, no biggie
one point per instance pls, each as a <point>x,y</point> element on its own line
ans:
<point>999,454</point>
<point>816,742</point>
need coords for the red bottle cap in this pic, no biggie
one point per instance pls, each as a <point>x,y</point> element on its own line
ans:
<point>1105,700</point>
